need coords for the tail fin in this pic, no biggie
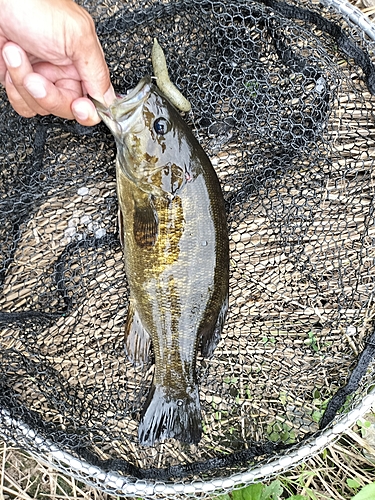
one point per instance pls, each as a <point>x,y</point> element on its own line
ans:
<point>166,417</point>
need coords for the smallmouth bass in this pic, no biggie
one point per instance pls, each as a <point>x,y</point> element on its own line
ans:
<point>173,230</point>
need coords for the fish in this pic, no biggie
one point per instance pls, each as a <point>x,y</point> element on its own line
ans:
<point>173,230</point>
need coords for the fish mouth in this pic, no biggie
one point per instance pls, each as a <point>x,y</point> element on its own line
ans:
<point>125,109</point>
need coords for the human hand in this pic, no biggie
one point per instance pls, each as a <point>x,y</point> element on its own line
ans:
<point>51,58</point>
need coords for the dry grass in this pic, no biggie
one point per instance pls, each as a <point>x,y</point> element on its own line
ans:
<point>24,478</point>
<point>326,474</point>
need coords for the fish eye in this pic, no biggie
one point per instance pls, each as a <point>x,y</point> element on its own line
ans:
<point>161,126</point>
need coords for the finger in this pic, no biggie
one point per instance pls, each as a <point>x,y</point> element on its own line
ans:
<point>17,101</point>
<point>39,93</point>
<point>54,73</point>
<point>84,112</point>
<point>87,55</point>
<point>83,109</point>
<point>50,98</point>
<point>3,68</point>
<point>19,66</point>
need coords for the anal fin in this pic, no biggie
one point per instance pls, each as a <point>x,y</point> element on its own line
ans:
<point>137,339</point>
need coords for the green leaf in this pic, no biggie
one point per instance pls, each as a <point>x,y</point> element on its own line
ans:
<point>237,494</point>
<point>283,397</point>
<point>364,423</point>
<point>273,491</point>
<point>251,492</point>
<point>316,395</point>
<point>366,493</point>
<point>353,483</point>
<point>297,497</point>
<point>230,380</point>
<point>316,415</point>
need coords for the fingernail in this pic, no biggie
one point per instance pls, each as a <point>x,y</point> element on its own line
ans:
<point>109,96</point>
<point>36,89</point>
<point>12,56</point>
<point>81,112</point>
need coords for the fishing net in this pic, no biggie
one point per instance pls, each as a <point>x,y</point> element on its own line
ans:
<point>283,103</point>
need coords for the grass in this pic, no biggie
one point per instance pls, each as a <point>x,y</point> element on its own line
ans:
<point>24,478</point>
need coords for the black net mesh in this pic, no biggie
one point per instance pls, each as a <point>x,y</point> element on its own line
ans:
<point>282,103</point>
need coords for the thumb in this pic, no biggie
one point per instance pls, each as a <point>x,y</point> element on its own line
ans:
<point>88,58</point>
<point>94,75</point>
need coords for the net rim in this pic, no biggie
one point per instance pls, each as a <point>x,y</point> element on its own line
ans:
<point>354,14</point>
<point>114,483</point>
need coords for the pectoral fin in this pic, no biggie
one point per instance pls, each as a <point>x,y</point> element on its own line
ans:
<point>137,339</point>
<point>146,223</point>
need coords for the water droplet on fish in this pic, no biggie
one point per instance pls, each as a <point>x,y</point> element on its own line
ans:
<point>204,243</point>
<point>179,402</point>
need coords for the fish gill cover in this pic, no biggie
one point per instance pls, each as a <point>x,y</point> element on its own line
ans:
<point>282,103</point>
